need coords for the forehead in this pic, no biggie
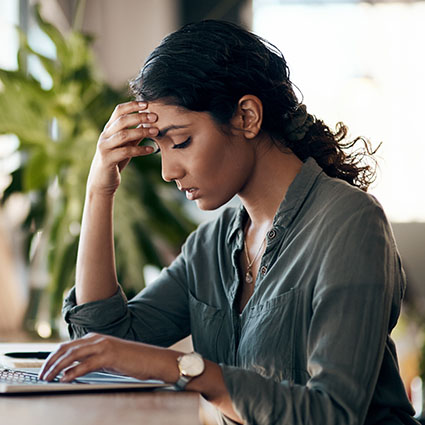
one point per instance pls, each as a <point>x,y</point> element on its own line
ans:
<point>170,114</point>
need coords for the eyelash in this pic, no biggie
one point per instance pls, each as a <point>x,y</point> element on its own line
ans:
<point>182,145</point>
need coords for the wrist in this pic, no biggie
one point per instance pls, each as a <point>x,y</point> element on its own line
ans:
<point>95,192</point>
<point>165,360</point>
<point>191,366</point>
<point>177,368</point>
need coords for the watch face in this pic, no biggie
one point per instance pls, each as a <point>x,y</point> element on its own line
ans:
<point>191,364</point>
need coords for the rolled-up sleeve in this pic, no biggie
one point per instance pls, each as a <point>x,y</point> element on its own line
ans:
<point>358,286</point>
<point>97,316</point>
<point>157,315</point>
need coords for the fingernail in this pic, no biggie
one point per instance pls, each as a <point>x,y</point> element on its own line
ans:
<point>151,117</point>
<point>153,131</point>
<point>149,149</point>
<point>143,104</point>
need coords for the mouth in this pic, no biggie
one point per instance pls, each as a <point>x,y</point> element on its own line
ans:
<point>191,192</point>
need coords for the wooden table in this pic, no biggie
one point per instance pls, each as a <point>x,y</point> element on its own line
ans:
<point>109,408</point>
<point>120,408</point>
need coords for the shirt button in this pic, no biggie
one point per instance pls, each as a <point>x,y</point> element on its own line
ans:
<point>272,234</point>
<point>263,270</point>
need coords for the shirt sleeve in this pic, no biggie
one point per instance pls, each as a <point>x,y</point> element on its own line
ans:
<point>157,315</point>
<point>355,304</point>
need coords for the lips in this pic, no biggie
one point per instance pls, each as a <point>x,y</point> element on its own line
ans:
<point>191,192</point>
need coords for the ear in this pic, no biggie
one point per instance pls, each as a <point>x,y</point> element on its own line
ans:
<point>248,116</point>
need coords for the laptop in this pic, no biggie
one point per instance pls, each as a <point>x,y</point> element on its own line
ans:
<point>20,381</point>
<point>19,375</point>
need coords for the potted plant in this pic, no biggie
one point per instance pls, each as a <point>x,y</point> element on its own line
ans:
<point>57,130</point>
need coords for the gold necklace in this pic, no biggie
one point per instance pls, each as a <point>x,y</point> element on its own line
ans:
<point>248,275</point>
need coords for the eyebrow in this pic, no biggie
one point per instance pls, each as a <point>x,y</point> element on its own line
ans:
<point>165,130</point>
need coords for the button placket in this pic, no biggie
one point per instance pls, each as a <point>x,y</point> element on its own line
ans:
<point>271,235</point>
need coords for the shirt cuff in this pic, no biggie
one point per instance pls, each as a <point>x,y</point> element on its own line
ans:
<point>254,398</point>
<point>233,383</point>
<point>95,314</point>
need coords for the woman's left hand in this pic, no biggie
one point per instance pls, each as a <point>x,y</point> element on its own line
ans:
<point>94,352</point>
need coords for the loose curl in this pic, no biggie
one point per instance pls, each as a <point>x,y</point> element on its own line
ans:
<point>208,66</point>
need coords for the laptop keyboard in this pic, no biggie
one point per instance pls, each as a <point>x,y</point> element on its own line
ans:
<point>9,376</point>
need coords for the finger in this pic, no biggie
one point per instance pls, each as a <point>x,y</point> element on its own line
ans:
<point>61,350</point>
<point>78,353</point>
<point>126,108</point>
<point>140,119</point>
<point>53,357</point>
<point>147,150</point>
<point>90,364</point>
<point>123,137</point>
<point>125,153</point>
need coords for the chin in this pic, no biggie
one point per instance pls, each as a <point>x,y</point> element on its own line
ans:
<point>210,205</point>
<point>206,206</point>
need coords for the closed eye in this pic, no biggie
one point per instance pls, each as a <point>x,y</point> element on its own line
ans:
<point>183,145</point>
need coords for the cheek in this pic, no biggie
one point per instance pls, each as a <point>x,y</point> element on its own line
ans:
<point>237,165</point>
<point>208,164</point>
<point>231,172</point>
<point>222,163</point>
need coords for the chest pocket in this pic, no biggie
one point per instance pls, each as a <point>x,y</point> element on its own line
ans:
<point>206,322</point>
<point>267,336</point>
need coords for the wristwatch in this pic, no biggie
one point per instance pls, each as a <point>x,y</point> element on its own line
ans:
<point>190,366</point>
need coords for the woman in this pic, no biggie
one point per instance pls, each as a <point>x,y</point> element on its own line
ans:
<point>290,299</point>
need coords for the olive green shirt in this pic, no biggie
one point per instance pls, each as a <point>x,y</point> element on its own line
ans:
<point>312,345</point>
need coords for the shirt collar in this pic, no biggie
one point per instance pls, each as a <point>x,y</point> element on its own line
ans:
<point>297,192</point>
<point>236,225</point>
<point>295,197</point>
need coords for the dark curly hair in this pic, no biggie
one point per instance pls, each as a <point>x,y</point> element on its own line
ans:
<point>208,66</point>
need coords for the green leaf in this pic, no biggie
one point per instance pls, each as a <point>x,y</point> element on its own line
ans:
<point>57,130</point>
<point>54,34</point>
<point>62,278</point>
<point>37,172</point>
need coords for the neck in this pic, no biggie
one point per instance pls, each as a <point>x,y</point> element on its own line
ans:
<point>273,173</point>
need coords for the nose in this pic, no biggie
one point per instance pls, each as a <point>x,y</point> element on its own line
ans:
<point>171,169</point>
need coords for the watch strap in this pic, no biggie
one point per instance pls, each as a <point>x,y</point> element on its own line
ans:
<point>180,385</point>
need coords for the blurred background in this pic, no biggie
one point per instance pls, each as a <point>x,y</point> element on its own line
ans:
<point>64,64</point>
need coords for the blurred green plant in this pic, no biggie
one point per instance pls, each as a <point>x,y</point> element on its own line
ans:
<point>57,130</point>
